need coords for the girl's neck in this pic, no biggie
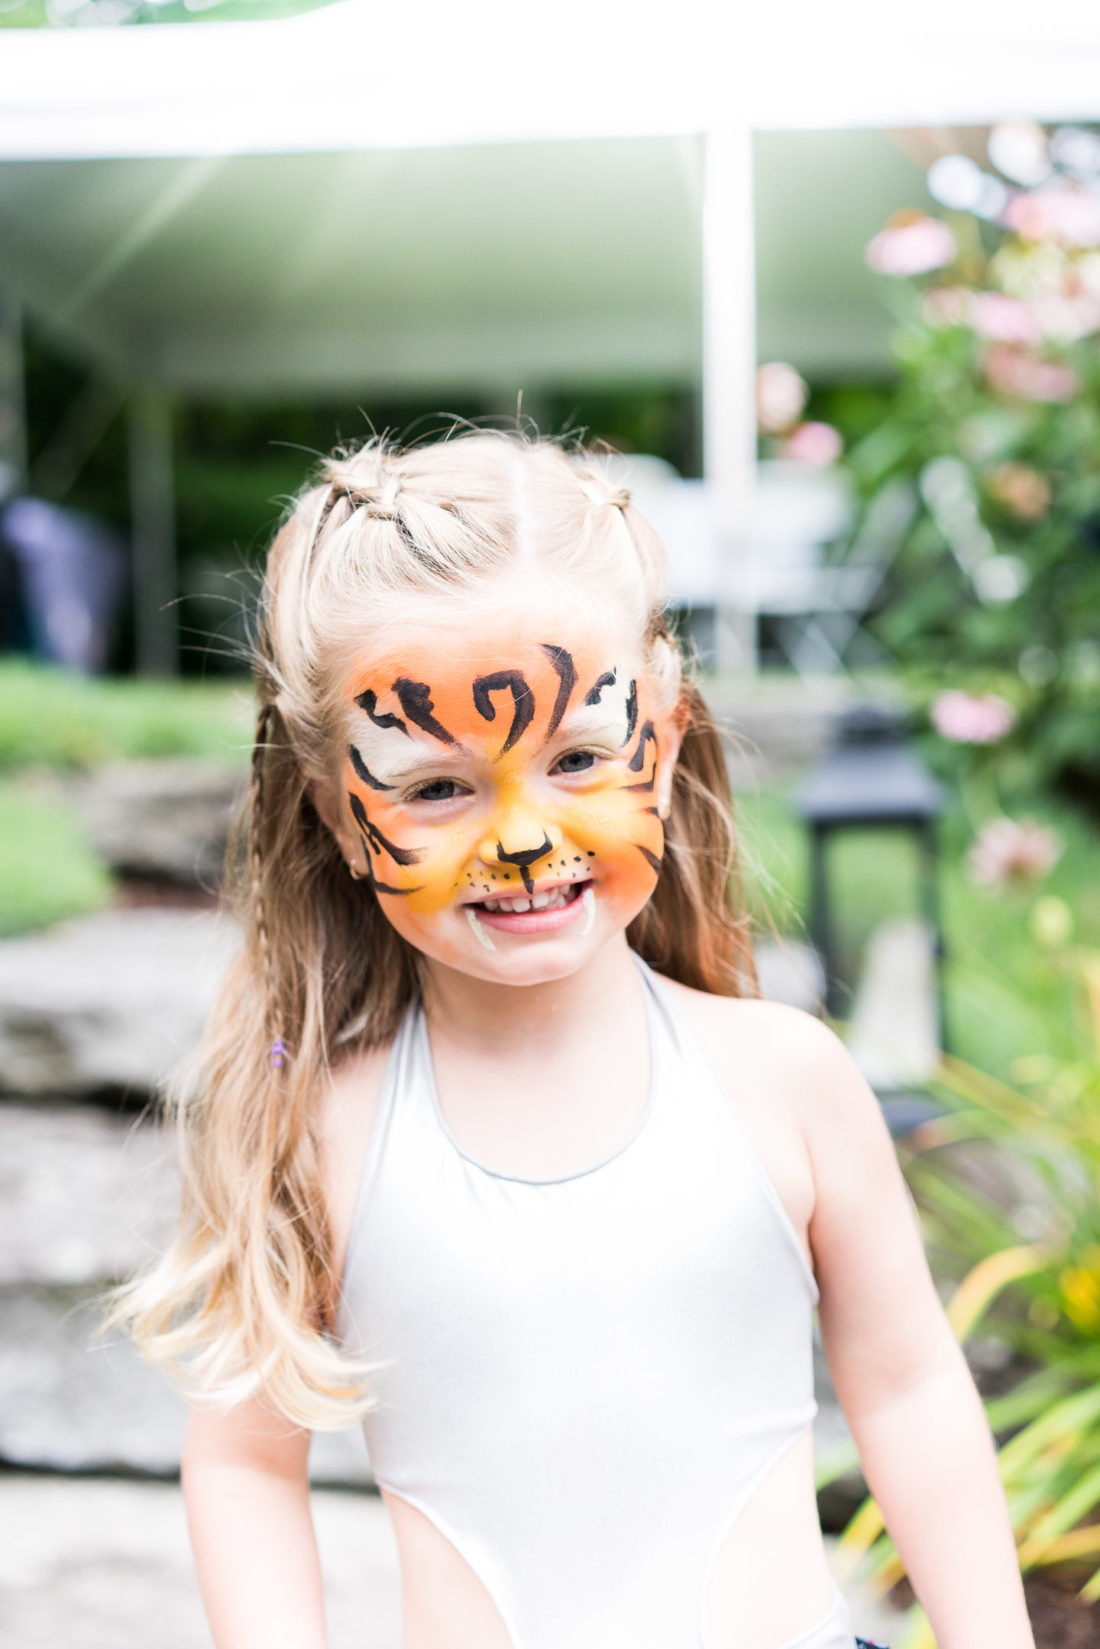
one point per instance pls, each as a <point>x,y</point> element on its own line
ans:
<point>509,1018</point>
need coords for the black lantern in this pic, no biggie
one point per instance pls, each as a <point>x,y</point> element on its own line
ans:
<point>871,779</point>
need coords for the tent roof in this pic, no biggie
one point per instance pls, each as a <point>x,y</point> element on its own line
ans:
<point>370,199</point>
<point>359,75</point>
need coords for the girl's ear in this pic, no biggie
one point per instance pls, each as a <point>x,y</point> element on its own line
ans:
<point>676,723</point>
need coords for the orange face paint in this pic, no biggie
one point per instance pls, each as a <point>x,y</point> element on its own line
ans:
<point>523,768</point>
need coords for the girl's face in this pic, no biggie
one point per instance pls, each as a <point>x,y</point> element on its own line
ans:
<point>503,790</point>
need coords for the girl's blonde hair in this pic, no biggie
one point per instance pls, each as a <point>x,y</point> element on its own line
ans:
<point>244,1300</point>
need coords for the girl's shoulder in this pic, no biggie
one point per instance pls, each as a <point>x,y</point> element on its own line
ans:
<point>786,1071</point>
<point>760,1052</point>
<point>772,1036</point>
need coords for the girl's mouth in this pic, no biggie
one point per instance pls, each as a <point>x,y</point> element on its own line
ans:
<point>538,913</point>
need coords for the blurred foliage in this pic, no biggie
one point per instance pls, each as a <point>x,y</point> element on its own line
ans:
<point>42,14</point>
<point>994,424</point>
<point>55,718</point>
<point>1030,1261</point>
<point>1004,996</point>
<point>47,869</point>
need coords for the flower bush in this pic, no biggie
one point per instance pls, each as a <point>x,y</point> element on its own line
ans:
<point>994,425</point>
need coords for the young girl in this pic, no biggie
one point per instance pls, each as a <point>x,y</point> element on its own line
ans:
<point>492,1142</point>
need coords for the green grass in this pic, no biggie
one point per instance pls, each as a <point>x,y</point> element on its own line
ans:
<point>47,870</point>
<point>57,718</point>
<point>1006,997</point>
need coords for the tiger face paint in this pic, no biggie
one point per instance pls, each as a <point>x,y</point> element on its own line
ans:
<point>505,794</point>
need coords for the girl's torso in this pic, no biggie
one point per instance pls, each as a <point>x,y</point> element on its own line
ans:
<point>594,1422</point>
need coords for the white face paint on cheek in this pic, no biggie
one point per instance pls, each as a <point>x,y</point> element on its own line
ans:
<point>479,932</point>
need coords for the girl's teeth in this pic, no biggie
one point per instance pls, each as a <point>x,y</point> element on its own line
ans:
<point>539,901</point>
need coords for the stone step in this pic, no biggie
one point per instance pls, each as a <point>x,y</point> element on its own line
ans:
<point>892,1032</point>
<point>108,1002</point>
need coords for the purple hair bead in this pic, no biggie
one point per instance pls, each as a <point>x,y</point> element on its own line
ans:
<point>278,1054</point>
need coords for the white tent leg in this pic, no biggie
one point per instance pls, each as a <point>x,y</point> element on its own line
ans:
<point>153,529</point>
<point>729,368</point>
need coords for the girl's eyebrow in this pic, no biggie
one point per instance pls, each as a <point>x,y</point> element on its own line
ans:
<point>588,720</point>
<point>412,759</point>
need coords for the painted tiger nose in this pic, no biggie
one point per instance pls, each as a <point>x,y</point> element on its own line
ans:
<point>515,849</point>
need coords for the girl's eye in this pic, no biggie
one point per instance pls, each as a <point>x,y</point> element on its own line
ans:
<point>437,790</point>
<point>576,761</point>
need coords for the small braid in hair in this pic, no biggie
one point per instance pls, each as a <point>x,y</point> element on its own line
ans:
<point>263,726</point>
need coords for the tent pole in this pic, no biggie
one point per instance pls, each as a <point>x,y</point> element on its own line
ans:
<point>153,532</point>
<point>13,419</point>
<point>729,368</point>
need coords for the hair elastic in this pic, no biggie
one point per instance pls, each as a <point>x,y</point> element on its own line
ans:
<point>278,1054</point>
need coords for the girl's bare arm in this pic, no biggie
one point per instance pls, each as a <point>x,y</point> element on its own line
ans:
<point>246,1491</point>
<point>899,1372</point>
<point>245,1479</point>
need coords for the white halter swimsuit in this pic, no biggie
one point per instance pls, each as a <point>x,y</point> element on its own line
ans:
<point>585,1378</point>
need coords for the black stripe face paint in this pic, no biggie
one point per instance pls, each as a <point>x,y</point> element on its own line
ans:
<point>375,839</point>
<point>608,679</point>
<point>368,701</point>
<point>652,859</point>
<point>631,711</point>
<point>364,771</point>
<point>567,680</point>
<point>637,760</point>
<point>523,702</point>
<point>523,860</point>
<point>415,698</point>
<point>646,736</point>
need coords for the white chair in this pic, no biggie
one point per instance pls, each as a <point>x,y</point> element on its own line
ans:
<point>806,570</point>
<point>810,570</point>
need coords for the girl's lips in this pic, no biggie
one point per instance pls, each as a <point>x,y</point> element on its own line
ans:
<point>534,921</point>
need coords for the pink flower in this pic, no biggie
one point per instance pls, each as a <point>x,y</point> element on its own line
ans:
<point>781,396</point>
<point>813,444</point>
<point>1067,316</point>
<point>969,718</point>
<point>1005,319</point>
<point>1014,371</point>
<point>1062,212</point>
<point>1008,851</point>
<point>911,244</point>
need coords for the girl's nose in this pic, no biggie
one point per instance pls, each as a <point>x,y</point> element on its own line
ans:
<point>522,843</point>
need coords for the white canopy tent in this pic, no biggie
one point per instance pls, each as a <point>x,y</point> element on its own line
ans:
<point>368,200</point>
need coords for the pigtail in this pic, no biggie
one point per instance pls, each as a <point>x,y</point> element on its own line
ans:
<point>277,1056</point>
<point>695,927</point>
